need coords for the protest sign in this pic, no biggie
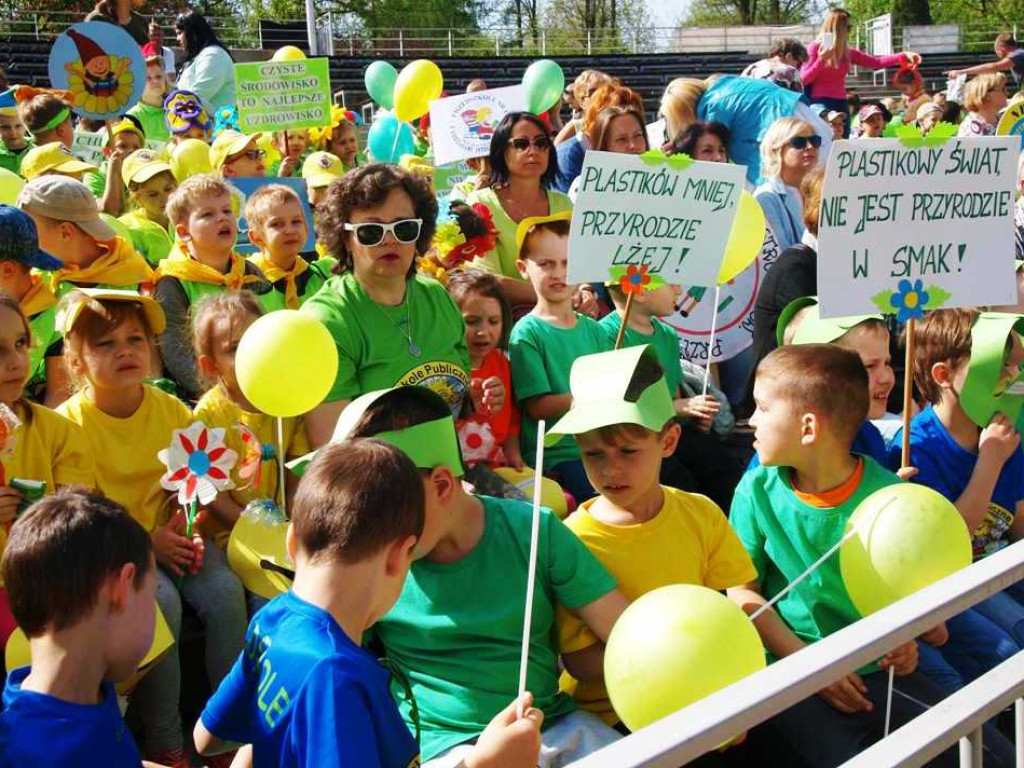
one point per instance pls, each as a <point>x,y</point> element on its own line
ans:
<point>246,185</point>
<point>447,176</point>
<point>1012,121</point>
<point>101,66</point>
<point>461,126</point>
<point>282,95</point>
<point>907,229</point>
<point>669,217</point>
<point>655,133</point>
<point>735,323</point>
<point>88,146</point>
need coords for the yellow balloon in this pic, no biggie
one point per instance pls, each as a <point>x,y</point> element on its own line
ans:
<point>908,536</point>
<point>674,646</point>
<point>17,653</point>
<point>10,186</point>
<point>286,363</point>
<point>266,143</point>
<point>745,238</point>
<point>190,158</point>
<point>259,536</point>
<point>418,84</point>
<point>551,495</point>
<point>288,53</point>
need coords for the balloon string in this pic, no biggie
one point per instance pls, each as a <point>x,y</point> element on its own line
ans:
<point>531,574</point>
<point>280,465</point>
<point>394,147</point>
<point>711,339</point>
<point>815,565</point>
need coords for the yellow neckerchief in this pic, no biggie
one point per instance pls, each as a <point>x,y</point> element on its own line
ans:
<point>121,266</point>
<point>181,265</point>
<point>273,273</point>
<point>39,298</point>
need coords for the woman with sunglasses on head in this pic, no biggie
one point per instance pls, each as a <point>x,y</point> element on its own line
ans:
<point>788,152</point>
<point>392,327</point>
<point>209,70</point>
<point>523,166</point>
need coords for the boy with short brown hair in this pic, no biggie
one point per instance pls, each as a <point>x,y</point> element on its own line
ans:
<point>810,401</point>
<point>48,118</point>
<point>14,140</point>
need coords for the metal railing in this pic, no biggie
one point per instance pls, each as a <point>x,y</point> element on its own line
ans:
<point>702,726</point>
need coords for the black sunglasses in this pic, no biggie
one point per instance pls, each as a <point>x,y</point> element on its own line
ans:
<point>522,143</point>
<point>372,233</point>
<point>801,142</point>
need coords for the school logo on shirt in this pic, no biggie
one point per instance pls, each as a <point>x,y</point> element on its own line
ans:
<point>446,379</point>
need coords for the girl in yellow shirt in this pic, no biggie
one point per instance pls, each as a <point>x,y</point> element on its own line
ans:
<point>107,334</point>
<point>48,450</point>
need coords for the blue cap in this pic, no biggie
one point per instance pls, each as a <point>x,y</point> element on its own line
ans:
<point>19,240</point>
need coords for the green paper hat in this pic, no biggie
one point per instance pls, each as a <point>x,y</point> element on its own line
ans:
<point>981,397</point>
<point>603,394</point>
<point>813,329</point>
<point>430,444</point>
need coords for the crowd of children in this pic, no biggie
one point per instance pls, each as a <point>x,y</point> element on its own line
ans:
<point>124,298</point>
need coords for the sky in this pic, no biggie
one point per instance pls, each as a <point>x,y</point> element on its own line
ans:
<point>665,13</point>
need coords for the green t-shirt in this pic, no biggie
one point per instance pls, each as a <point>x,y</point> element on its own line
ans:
<point>97,182</point>
<point>502,260</point>
<point>152,119</point>
<point>307,284</point>
<point>784,536</point>
<point>47,341</point>
<point>664,340</point>
<point>456,629</point>
<point>542,356</point>
<point>374,350</point>
<point>149,238</point>
<point>10,160</point>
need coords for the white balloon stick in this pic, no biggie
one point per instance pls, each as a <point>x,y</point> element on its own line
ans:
<point>531,576</point>
<point>711,338</point>
<point>280,465</point>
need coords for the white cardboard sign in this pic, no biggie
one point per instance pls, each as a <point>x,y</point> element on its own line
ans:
<point>903,230</point>
<point>630,212</point>
<point>461,126</point>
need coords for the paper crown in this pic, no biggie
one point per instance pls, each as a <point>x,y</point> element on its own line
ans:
<point>986,390</point>
<point>606,390</point>
<point>430,444</point>
<point>814,329</point>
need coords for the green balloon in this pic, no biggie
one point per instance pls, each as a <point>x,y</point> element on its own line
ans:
<point>380,80</point>
<point>544,82</point>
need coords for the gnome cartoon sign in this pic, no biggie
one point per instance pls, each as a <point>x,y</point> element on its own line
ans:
<point>101,66</point>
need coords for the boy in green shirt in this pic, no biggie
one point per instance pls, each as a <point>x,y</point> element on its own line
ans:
<point>456,630</point>
<point>106,184</point>
<point>14,140</point>
<point>810,401</point>
<point>545,343</point>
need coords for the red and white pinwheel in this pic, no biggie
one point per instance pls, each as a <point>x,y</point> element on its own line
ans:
<point>198,464</point>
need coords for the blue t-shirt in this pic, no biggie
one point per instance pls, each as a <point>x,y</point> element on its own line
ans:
<point>303,694</point>
<point>945,466</point>
<point>37,729</point>
<point>868,442</point>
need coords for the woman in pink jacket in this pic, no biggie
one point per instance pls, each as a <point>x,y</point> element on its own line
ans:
<point>829,60</point>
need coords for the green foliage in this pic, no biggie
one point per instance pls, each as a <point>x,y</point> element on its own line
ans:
<point>746,12</point>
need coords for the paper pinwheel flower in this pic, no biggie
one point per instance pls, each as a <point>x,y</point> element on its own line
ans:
<point>198,464</point>
<point>250,469</point>
<point>635,280</point>
<point>8,423</point>
<point>910,300</point>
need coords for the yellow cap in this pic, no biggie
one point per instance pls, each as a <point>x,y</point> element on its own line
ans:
<point>321,168</point>
<point>527,224</point>
<point>124,125</point>
<point>154,313</point>
<point>229,143</point>
<point>52,157</point>
<point>142,165</point>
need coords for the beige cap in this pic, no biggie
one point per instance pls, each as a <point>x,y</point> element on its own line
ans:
<point>229,143</point>
<point>154,313</point>
<point>65,199</point>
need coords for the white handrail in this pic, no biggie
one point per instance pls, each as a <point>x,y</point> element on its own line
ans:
<point>700,727</point>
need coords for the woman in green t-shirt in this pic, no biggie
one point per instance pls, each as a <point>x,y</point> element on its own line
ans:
<point>523,167</point>
<point>391,326</point>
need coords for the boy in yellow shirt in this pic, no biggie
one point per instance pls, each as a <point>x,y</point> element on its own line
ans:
<point>647,535</point>
<point>277,226</point>
<point>70,228</point>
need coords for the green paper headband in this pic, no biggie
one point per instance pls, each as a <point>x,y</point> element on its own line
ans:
<point>980,397</point>
<point>430,444</point>
<point>59,118</point>
<point>600,386</point>
<point>813,329</point>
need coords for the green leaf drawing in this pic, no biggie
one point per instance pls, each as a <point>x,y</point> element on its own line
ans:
<point>883,301</point>
<point>943,130</point>
<point>680,162</point>
<point>653,157</point>
<point>615,274</point>
<point>937,296</point>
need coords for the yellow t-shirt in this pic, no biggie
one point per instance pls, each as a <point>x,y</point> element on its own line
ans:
<point>47,448</point>
<point>688,542</point>
<point>125,450</point>
<point>216,409</point>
